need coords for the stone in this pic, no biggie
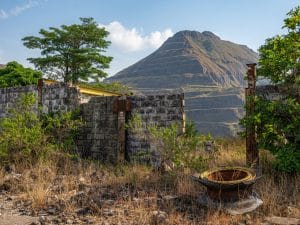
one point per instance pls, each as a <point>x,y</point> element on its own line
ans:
<point>283,220</point>
<point>108,212</point>
<point>83,211</point>
<point>158,217</point>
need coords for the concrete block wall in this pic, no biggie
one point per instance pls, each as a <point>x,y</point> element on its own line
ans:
<point>10,96</point>
<point>59,97</point>
<point>157,109</point>
<point>103,135</point>
<point>269,92</point>
<point>99,138</point>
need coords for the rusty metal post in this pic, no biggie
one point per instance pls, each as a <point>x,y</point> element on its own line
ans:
<point>252,157</point>
<point>122,106</point>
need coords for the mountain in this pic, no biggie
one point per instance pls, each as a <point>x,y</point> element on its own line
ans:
<point>210,71</point>
<point>190,57</point>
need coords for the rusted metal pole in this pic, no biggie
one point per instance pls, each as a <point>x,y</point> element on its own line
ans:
<point>252,156</point>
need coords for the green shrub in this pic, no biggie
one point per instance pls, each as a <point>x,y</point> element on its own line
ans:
<point>26,137</point>
<point>277,126</point>
<point>22,137</point>
<point>62,129</point>
<point>184,150</point>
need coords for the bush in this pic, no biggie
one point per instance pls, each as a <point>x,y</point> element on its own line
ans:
<point>278,130</point>
<point>26,137</point>
<point>22,137</point>
<point>182,150</point>
<point>62,129</point>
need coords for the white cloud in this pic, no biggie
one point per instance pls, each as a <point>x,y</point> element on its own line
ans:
<point>3,14</point>
<point>18,9</point>
<point>131,40</point>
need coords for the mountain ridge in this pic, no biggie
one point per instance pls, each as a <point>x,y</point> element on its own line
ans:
<point>209,70</point>
<point>193,56</point>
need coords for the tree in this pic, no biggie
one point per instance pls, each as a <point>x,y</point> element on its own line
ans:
<point>14,74</point>
<point>277,121</point>
<point>280,56</point>
<point>71,53</point>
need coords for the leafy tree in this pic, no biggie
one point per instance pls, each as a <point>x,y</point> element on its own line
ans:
<point>71,53</point>
<point>277,121</point>
<point>280,56</point>
<point>14,74</point>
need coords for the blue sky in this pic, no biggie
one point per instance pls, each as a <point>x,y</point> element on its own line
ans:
<point>138,27</point>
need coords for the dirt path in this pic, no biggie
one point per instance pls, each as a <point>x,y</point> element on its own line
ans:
<point>10,216</point>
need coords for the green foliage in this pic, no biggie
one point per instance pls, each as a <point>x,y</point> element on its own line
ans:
<point>62,129</point>
<point>277,122</point>
<point>278,130</point>
<point>280,56</point>
<point>181,149</point>
<point>22,137</point>
<point>135,123</point>
<point>14,74</point>
<point>27,138</point>
<point>71,53</point>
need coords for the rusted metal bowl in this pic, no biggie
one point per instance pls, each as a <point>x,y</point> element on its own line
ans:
<point>228,184</point>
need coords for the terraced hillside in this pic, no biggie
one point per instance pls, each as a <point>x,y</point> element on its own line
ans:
<point>215,110</point>
<point>210,71</point>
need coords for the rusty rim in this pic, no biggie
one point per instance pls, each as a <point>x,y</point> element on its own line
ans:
<point>228,175</point>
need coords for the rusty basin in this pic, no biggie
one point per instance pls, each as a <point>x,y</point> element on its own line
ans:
<point>229,184</point>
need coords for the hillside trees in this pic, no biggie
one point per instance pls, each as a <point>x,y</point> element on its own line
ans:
<point>14,74</point>
<point>71,53</point>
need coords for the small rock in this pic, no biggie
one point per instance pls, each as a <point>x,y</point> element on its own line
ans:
<point>43,220</point>
<point>283,220</point>
<point>82,179</point>
<point>248,217</point>
<point>9,198</point>
<point>158,217</point>
<point>109,202</point>
<point>83,211</point>
<point>108,212</point>
<point>51,211</point>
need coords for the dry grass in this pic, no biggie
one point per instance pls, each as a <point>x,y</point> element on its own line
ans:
<point>136,189</point>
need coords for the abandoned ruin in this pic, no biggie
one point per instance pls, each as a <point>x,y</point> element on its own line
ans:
<point>103,135</point>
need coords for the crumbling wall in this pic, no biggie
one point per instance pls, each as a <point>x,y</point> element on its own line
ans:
<point>59,97</point>
<point>99,138</point>
<point>160,110</point>
<point>10,96</point>
<point>269,92</point>
<point>52,97</point>
<point>103,135</point>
